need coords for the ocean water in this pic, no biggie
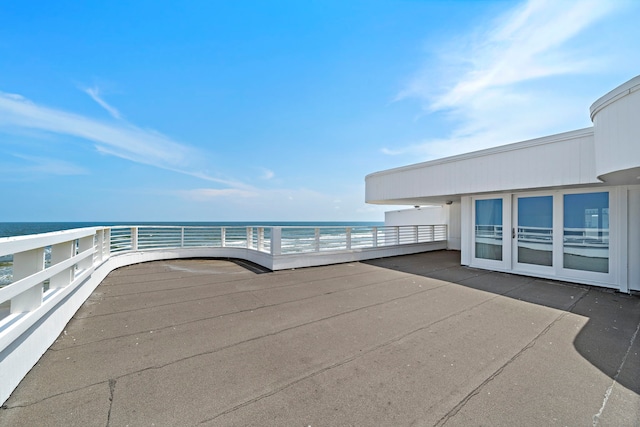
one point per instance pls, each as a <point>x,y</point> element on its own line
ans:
<point>9,229</point>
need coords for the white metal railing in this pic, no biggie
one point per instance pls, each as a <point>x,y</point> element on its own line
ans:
<point>37,267</point>
<point>42,266</point>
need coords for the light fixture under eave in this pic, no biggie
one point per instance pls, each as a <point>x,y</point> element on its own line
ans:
<point>449,202</point>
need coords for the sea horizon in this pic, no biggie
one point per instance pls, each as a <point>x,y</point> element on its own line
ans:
<point>22,228</point>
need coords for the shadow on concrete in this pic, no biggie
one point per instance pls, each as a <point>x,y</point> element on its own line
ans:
<point>609,340</point>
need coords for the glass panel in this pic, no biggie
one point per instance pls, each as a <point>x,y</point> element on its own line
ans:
<point>489,229</point>
<point>535,230</point>
<point>586,232</point>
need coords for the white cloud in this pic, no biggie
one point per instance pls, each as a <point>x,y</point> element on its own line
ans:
<point>390,152</point>
<point>37,164</point>
<point>121,139</point>
<point>486,83</point>
<point>267,174</point>
<point>94,93</point>
<point>207,194</point>
<point>527,43</point>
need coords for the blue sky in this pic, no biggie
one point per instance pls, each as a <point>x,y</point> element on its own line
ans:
<point>277,110</point>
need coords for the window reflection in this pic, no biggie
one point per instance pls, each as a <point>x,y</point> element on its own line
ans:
<point>586,231</point>
<point>488,232</point>
<point>535,230</point>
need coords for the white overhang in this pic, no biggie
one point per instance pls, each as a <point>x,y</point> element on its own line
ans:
<point>606,154</point>
<point>562,160</point>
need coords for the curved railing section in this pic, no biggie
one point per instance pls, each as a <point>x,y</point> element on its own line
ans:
<point>45,278</point>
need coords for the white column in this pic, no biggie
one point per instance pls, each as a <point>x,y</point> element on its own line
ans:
<point>249,238</point>
<point>106,248</point>
<point>260,238</point>
<point>276,240</point>
<point>134,238</point>
<point>375,237</point>
<point>24,265</point>
<point>84,244</point>
<point>317,233</point>
<point>348,237</point>
<point>62,252</point>
<point>223,237</point>
<point>466,230</point>
<point>99,246</point>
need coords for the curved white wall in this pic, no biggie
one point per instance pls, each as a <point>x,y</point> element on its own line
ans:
<point>616,120</point>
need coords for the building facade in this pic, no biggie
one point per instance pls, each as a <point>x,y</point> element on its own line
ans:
<point>565,206</point>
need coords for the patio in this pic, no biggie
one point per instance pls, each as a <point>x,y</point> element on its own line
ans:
<point>409,340</point>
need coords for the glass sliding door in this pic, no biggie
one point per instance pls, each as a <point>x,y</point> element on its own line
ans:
<point>534,230</point>
<point>488,229</point>
<point>586,232</point>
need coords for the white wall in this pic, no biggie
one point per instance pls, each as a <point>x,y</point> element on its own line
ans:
<point>454,240</point>
<point>425,215</point>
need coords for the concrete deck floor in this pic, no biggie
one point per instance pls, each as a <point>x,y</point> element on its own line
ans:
<point>412,340</point>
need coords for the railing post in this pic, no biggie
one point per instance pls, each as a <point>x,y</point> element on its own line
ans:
<point>276,241</point>
<point>62,252</point>
<point>249,237</point>
<point>223,236</point>
<point>99,243</point>
<point>25,264</point>
<point>260,239</point>
<point>84,244</point>
<point>397,230</point>
<point>106,248</point>
<point>182,237</point>
<point>415,234</point>
<point>375,237</point>
<point>134,238</point>
<point>348,237</point>
<point>317,241</point>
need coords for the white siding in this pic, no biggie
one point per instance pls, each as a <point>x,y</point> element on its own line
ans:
<point>427,215</point>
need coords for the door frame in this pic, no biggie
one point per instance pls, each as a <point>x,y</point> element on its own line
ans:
<point>525,268</point>
<point>505,263</point>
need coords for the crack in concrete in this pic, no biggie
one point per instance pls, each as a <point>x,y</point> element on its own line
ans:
<point>217,316</point>
<point>112,389</point>
<point>201,286</point>
<point>607,394</point>
<point>240,343</point>
<point>35,402</point>
<point>458,407</point>
<point>347,360</point>
<point>279,273</point>
<point>277,332</point>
